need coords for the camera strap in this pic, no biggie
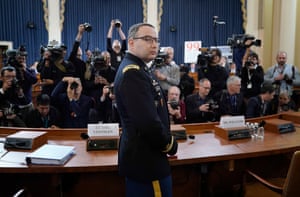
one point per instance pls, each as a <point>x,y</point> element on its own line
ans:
<point>60,66</point>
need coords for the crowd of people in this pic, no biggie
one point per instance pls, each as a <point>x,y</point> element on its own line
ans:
<point>75,92</point>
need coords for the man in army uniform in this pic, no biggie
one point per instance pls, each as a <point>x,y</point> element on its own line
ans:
<point>146,140</point>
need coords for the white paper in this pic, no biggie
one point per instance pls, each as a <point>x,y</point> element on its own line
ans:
<point>103,130</point>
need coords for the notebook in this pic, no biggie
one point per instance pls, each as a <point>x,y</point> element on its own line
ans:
<point>51,154</point>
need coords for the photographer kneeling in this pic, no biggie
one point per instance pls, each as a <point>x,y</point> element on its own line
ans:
<point>11,96</point>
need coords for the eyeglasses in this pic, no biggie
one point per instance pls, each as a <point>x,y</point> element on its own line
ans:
<point>148,39</point>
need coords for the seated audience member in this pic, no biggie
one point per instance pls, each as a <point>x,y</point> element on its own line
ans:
<point>260,105</point>
<point>106,109</point>
<point>74,107</point>
<point>285,103</point>
<point>176,106</point>
<point>44,115</point>
<point>187,83</point>
<point>198,108</point>
<point>231,101</point>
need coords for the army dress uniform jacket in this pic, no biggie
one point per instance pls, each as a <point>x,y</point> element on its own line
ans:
<point>145,123</point>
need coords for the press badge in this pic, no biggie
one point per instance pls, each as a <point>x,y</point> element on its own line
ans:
<point>249,86</point>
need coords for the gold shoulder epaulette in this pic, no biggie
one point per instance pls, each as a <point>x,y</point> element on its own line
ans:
<point>130,66</point>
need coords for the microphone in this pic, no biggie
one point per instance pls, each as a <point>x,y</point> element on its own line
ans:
<point>85,136</point>
<point>220,22</point>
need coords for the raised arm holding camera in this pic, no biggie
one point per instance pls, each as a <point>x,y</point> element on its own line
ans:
<point>116,48</point>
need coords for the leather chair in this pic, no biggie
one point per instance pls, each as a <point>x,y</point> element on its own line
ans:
<point>291,186</point>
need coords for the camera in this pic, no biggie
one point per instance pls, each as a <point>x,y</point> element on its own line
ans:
<point>205,57</point>
<point>287,79</point>
<point>11,109</point>
<point>11,57</point>
<point>74,85</point>
<point>285,107</point>
<point>239,41</point>
<point>111,89</point>
<point>117,23</point>
<point>160,59</point>
<point>212,105</point>
<point>15,84</point>
<point>174,104</point>
<point>87,27</point>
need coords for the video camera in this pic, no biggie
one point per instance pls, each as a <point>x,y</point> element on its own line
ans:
<point>97,60</point>
<point>205,56</point>
<point>56,51</point>
<point>239,41</point>
<point>11,55</point>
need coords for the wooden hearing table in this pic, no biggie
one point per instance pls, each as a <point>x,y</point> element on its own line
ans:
<point>94,173</point>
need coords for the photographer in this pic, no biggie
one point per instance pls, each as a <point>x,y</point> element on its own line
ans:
<point>252,76</point>
<point>199,106</point>
<point>74,107</point>
<point>282,75</point>
<point>106,108</point>
<point>76,54</point>
<point>102,74</point>
<point>116,49</point>
<point>25,76</point>
<point>167,72</point>
<point>52,67</point>
<point>216,74</point>
<point>176,106</point>
<point>11,97</point>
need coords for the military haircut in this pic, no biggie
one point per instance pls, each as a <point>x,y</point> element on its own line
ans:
<point>135,28</point>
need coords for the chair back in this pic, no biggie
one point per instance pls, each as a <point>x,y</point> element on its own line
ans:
<point>291,186</point>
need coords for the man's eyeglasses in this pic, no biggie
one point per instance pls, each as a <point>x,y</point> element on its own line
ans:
<point>148,39</point>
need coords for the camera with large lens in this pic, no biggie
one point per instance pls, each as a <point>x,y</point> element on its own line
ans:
<point>160,59</point>
<point>56,51</point>
<point>239,41</point>
<point>117,23</point>
<point>10,110</point>
<point>212,105</point>
<point>11,57</point>
<point>74,85</point>
<point>174,104</point>
<point>15,84</point>
<point>287,79</point>
<point>87,27</point>
<point>205,57</point>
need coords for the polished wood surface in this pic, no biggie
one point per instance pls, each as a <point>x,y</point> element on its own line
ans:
<point>206,148</point>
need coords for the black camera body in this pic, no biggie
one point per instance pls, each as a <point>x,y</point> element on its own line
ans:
<point>74,85</point>
<point>212,105</point>
<point>174,104</point>
<point>87,27</point>
<point>205,57</point>
<point>239,41</point>
<point>160,59</point>
<point>118,23</point>
<point>10,110</point>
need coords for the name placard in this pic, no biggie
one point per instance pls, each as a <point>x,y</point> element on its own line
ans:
<point>103,130</point>
<point>232,121</point>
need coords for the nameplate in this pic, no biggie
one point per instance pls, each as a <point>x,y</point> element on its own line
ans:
<point>232,121</point>
<point>103,130</point>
